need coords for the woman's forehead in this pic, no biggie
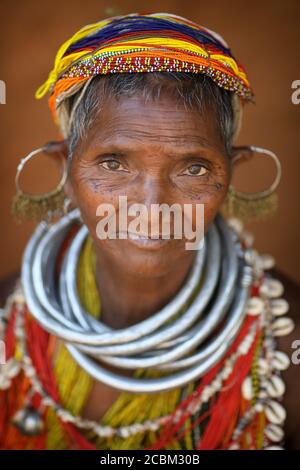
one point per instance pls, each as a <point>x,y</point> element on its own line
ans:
<point>164,116</point>
<point>129,128</point>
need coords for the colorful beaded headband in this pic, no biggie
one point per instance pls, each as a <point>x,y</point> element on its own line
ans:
<point>157,42</point>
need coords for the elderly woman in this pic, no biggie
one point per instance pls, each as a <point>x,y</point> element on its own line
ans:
<point>118,339</point>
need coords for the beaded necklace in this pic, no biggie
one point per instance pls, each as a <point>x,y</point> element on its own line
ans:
<point>75,384</point>
<point>41,404</point>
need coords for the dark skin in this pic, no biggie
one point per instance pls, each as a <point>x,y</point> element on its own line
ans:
<point>152,153</point>
<point>135,150</point>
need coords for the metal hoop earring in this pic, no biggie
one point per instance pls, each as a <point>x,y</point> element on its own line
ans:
<point>26,206</point>
<point>258,205</point>
<point>67,208</point>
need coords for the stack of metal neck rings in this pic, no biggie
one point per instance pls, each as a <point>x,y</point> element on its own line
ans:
<point>185,339</point>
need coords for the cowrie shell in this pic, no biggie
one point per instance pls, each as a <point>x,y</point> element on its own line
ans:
<point>19,298</point>
<point>279,307</point>
<point>4,383</point>
<point>259,407</point>
<point>280,360</point>
<point>248,238</point>
<point>275,386</point>
<point>262,394</point>
<point>275,412</point>
<point>274,432</point>
<point>272,288</point>
<point>236,224</point>
<point>255,306</point>
<point>266,261</point>
<point>250,256</point>
<point>283,326</point>
<point>67,417</point>
<point>234,446</point>
<point>47,401</point>
<point>247,388</point>
<point>11,368</point>
<point>30,371</point>
<point>263,366</point>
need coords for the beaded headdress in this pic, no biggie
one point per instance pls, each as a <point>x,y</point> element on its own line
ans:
<point>157,42</point>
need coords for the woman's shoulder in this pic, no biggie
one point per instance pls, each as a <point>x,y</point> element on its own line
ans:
<point>7,286</point>
<point>8,289</point>
<point>290,345</point>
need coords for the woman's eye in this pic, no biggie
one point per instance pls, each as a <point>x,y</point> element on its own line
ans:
<point>196,170</point>
<point>112,165</point>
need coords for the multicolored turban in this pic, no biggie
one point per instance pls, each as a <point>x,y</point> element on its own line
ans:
<point>157,42</point>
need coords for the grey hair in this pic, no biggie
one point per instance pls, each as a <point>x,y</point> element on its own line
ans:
<point>194,90</point>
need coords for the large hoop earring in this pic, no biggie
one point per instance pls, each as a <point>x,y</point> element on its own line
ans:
<point>259,205</point>
<point>26,206</point>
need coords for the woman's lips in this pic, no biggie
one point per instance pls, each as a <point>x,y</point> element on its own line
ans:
<point>144,241</point>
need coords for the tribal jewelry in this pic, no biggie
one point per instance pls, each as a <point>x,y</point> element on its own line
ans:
<point>251,363</point>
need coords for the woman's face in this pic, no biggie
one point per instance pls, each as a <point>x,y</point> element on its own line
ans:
<point>153,153</point>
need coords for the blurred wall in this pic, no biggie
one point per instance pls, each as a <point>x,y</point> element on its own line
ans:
<point>264,35</point>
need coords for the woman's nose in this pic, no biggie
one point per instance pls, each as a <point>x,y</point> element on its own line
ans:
<point>153,189</point>
<point>154,195</point>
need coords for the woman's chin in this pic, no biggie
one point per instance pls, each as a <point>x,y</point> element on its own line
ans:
<point>146,258</point>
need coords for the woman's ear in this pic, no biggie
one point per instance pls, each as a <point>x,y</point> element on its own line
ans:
<point>241,154</point>
<point>56,149</point>
<point>69,191</point>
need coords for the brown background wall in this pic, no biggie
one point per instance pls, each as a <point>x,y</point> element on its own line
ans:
<point>264,35</point>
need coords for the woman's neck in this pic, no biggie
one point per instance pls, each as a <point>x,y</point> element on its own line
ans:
<point>127,299</point>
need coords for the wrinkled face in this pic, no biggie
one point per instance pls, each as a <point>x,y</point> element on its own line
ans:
<point>153,153</point>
